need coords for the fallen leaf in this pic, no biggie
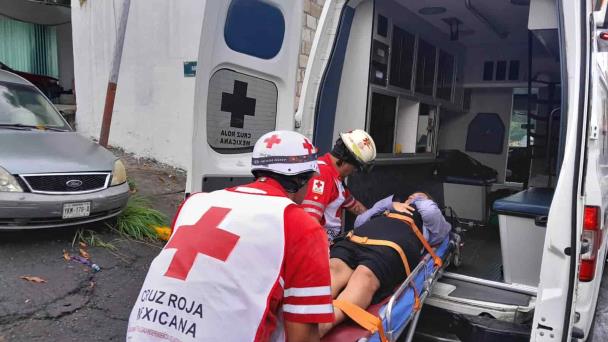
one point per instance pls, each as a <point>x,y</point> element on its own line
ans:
<point>33,279</point>
<point>91,284</point>
<point>84,254</point>
<point>66,255</point>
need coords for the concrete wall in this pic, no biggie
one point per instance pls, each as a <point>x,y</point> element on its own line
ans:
<point>65,55</point>
<point>154,101</point>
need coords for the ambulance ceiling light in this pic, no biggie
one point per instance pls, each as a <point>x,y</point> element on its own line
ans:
<point>431,10</point>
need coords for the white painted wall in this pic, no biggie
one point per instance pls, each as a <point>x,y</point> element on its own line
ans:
<point>154,101</point>
<point>65,55</point>
<point>453,131</point>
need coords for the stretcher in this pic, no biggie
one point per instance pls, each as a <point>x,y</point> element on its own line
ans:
<point>399,311</point>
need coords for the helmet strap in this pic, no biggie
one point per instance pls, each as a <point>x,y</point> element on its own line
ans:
<point>291,184</point>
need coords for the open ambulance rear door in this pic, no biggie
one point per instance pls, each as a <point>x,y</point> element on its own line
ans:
<point>574,248</point>
<point>245,85</point>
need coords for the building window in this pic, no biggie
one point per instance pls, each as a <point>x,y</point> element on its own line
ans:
<point>254,28</point>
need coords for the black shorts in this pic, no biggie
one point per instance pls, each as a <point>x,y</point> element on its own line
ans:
<point>383,261</point>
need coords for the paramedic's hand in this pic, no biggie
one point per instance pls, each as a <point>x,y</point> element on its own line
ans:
<point>302,332</point>
<point>404,207</point>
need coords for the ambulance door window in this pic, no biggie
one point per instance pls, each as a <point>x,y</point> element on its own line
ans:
<point>240,109</point>
<point>255,28</point>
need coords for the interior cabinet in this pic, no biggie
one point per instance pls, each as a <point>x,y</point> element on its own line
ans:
<point>402,58</point>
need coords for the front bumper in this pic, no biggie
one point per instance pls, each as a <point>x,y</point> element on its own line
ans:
<point>23,210</point>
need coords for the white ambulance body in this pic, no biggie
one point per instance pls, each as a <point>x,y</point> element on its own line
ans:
<point>519,85</point>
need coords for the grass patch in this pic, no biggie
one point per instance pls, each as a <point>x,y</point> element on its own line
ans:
<point>138,219</point>
<point>91,238</point>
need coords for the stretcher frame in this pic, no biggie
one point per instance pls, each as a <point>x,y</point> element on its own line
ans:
<point>392,333</point>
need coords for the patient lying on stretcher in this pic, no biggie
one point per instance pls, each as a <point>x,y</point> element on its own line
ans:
<point>362,273</point>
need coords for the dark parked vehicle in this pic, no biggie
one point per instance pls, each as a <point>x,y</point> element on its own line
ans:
<point>47,84</point>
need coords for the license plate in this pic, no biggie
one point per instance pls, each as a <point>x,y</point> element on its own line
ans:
<point>72,210</point>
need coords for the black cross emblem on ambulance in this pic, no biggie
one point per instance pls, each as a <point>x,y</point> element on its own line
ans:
<point>238,104</point>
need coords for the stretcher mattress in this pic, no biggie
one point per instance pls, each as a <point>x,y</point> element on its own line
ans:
<point>402,310</point>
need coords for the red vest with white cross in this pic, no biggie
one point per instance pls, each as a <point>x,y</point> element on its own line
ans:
<point>213,279</point>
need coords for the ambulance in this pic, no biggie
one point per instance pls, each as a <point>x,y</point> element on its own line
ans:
<point>497,108</point>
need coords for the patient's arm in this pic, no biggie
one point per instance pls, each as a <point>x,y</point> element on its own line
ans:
<point>301,332</point>
<point>434,224</point>
<point>380,206</point>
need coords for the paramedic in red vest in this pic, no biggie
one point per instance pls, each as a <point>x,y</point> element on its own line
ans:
<point>244,263</point>
<point>327,195</point>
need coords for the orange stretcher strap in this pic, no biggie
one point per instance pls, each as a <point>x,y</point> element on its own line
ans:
<point>365,319</point>
<point>364,240</point>
<point>429,249</point>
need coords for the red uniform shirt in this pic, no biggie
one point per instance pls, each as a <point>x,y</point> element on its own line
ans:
<point>327,197</point>
<point>303,288</point>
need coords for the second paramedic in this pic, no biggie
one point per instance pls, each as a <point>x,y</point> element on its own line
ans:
<point>244,263</point>
<point>327,195</point>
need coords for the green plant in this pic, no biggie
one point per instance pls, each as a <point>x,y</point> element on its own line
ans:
<point>138,219</point>
<point>91,238</point>
<point>132,184</point>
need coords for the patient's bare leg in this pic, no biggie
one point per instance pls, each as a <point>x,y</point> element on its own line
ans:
<point>340,273</point>
<point>360,290</point>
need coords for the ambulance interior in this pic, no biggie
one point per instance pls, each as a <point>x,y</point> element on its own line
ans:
<point>445,81</point>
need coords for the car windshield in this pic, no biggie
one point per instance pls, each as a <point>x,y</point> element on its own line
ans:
<point>24,105</point>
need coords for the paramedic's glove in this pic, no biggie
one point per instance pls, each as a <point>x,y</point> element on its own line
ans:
<point>380,207</point>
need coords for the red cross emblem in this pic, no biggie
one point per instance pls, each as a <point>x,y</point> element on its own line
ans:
<point>308,146</point>
<point>318,184</point>
<point>367,142</point>
<point>274,139</point>
<point>202,237</point>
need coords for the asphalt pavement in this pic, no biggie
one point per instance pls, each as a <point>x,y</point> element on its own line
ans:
<point>75,303</point>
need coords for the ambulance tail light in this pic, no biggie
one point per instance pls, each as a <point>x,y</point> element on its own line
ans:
<point>591,242</point>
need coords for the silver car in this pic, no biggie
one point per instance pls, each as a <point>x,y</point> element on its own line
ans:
<point>51,176</point>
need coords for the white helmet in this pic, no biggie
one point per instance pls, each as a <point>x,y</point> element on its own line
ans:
<point>361,146</point>
<point>284,152</point>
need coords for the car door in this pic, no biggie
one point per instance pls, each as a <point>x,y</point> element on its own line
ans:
<point>245,85</point>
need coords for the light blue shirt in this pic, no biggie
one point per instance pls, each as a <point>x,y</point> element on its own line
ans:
<point>378,208</point>
<point>434,226</point>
